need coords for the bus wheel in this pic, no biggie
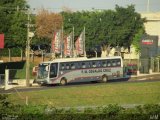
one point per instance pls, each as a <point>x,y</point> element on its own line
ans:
<point>104,78</point>
<point>63,81</point>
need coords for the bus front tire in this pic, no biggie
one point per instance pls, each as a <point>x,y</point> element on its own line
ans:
<point>63,81</point>
<point>104,78</point>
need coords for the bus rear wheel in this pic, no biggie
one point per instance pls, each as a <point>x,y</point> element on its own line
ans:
<point>63,81</point>
<point>104,78</point>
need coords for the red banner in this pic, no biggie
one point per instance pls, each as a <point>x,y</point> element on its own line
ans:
<point>56,42</point>
<point>68,46</point>
<point>1,41</point>
<point>80,44</point>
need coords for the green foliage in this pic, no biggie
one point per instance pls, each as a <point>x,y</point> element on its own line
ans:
<point>118,27</point>
<point>13,22</point>
<point>110,27</point>
<point>15,52</point>
<point>152,109</point>
<point>5,105</point>
<point>137,39</point>
<point>21,73</point>
<point>19,29</point>
<point>110,112</point>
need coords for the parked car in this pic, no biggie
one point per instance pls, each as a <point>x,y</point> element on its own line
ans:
<point>37,49</point>
<point>131,69</point>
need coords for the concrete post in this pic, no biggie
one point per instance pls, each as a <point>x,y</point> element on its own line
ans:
<point>95,53</point>
<point>150,67</point>
<point>21,54</point>
<point>157,64</point>
<point>138,65</point>
<point>9,50</point>
<point>6,79</point>
<point>42,55</point>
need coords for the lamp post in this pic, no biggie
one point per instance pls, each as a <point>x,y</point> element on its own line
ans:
<point>72,40</point>
<point>148,2</point>
<point>29,37</point>
<point>27,53</point>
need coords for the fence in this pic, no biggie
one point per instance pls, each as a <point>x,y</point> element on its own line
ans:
<point>144,65</point>
<point>155,64</point>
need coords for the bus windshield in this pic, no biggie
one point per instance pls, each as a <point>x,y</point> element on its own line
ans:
<point>43,71</point>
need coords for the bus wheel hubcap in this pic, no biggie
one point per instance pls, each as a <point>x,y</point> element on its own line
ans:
<point>63,82</point>
<point>104,79</point>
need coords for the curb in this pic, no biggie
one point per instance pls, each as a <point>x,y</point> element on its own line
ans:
<point>145,77</point>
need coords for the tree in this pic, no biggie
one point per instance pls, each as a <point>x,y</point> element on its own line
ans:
<point>129,23</point>
<point>46,23</point>
<point>136,40</point>
<point>12,22</point>
<point>108,28</point>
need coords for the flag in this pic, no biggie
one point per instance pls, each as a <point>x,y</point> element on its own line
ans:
<point>68,45</point>
<point>80,44</point>
<point>56,42</point>
<point>1,41</point>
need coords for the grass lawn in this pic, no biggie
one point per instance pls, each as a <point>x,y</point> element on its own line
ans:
<point>21,73</point>
<point>98,95</point>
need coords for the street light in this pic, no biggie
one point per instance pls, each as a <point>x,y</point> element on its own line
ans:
<point>29,37</point>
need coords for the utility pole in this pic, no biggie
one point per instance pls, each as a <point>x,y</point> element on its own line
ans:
<point>62,43</point>
<point>148,6</point>
<point>73,43</point>
<point>84,46</point>
<point>28,52</point>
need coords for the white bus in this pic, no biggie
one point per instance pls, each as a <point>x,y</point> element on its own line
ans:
<point>63,71</point>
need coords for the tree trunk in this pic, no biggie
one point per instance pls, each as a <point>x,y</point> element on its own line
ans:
<point>105,50</point>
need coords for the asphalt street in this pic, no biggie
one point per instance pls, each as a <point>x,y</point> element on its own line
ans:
<point>38,88</point>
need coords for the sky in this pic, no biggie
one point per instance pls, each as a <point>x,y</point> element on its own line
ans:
<point>78,5</point>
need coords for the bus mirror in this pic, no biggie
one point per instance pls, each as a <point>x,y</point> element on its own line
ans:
<point>47,68</point>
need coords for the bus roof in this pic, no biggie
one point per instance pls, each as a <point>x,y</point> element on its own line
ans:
<point>80,59</point>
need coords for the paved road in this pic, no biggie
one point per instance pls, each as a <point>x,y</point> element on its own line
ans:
<point>37,88</point>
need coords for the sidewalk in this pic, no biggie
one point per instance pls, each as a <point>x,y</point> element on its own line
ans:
<point>18,83</point>
<point>141,76</point>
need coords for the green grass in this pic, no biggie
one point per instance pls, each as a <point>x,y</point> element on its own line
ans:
<point>21,74</point>
<point>123,93</point>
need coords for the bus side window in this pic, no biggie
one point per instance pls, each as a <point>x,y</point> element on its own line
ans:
<point>108,63</point>
<point>118,63</point>
<point>113,63</point>
<point>99,63</point>
<point>88,64</point>
<point>62,66</point>
<point>83,65</point>
<point>93,64</point>
<point>78,65</point>
<point>104,64</point>
<point>67,66</point>
<point>72,66</point>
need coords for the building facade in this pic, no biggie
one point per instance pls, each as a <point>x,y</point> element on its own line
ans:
<point>150,42</point>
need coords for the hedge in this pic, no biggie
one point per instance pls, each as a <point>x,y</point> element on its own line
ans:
<point>111,112</point>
